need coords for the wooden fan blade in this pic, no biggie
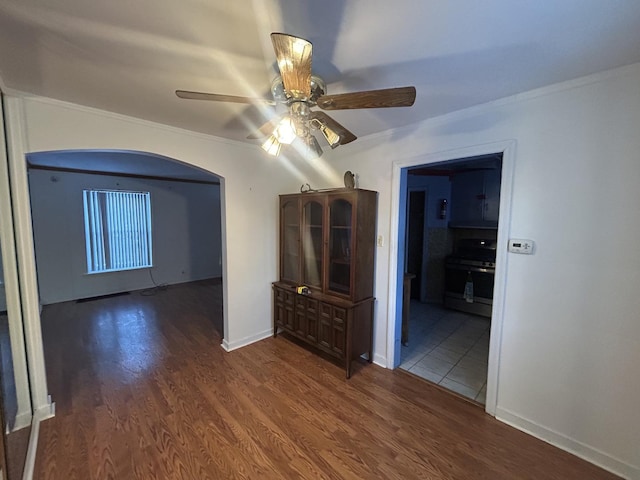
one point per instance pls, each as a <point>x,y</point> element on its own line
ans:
<point>294,61</point>
<point>345,135</point>
<point>388,97</point>
<point>222,98</point>
<point>264,131</point>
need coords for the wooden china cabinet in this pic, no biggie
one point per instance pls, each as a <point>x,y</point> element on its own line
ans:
<point>327,244</point>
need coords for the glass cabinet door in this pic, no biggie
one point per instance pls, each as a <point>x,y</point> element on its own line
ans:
<point>340,247</point>
<point>289,268</point>
<point>312,243</point>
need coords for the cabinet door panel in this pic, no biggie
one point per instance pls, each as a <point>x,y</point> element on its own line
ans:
<point>311,331</point>
<point>324,325</point>
<point>290,238</point>
<point>300,320</point>
<point>467,193</point>
<point>492,195</point>
<point>338,329</point>
<point>313,243</point>
<point>340,246</point>
<point>289,318</point>
<point>279,314</point>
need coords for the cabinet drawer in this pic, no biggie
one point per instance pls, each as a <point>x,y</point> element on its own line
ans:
<point>339,315</point>
<point>279,294</point>
<point>312,305</point>
<point>325,311</point>
<point>283,296</point>
<point>289,297</point>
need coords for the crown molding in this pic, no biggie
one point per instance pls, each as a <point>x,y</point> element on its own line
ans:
<point>24,96</point>
<point>510,100</point>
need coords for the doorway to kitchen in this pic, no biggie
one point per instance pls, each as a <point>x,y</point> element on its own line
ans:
<point>450,326</point>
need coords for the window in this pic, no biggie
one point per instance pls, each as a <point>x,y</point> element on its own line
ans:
<point>117,227</point>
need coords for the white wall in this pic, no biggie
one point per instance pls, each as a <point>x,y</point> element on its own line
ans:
<point>249,194</point>
<point>185,228</point>
<point>571,339</point>
<point>570,349</point>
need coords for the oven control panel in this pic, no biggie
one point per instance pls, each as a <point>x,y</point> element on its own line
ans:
<point>519,245</point>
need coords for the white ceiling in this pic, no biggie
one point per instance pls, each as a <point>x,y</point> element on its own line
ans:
<point>130,56</point>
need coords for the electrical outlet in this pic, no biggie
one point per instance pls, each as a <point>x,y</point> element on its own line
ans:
<point>517,245</point>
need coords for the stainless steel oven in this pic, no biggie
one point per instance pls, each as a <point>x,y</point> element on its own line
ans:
<point>472,262</point>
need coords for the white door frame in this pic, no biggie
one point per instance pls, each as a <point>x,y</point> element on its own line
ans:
<point>12,291</point>
<point>30,301</point>
<point>396,254</point>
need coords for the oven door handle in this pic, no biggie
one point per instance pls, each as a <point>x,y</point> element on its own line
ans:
<point>469,268</point>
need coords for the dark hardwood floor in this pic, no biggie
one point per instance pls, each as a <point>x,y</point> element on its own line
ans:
<point>17,444</point>
<point>144,391</point>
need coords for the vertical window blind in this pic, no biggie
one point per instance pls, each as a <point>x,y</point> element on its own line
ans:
<point>117,228</point>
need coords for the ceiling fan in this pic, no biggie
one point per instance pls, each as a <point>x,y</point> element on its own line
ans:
<point>299,90</point>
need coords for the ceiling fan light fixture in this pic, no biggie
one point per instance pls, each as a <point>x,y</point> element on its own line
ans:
<point>285,132</point>
<point>299,90</point>
<point>272,146</point>
<point>331,136</point>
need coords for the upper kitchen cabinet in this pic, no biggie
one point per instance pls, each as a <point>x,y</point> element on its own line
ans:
<point>492,195</point>
<point>475,198</point>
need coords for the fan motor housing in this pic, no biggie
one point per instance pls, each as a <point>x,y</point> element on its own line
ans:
<point>318,88</point>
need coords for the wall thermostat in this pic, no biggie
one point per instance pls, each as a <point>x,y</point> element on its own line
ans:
<point>519,245</point>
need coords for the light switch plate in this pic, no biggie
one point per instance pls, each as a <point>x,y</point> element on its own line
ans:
<point>519,245</point>
<point>380,241</point>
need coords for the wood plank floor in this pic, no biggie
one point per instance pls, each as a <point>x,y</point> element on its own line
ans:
<point>144,391</point>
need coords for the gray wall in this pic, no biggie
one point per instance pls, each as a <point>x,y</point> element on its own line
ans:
<point>437,238</point>
<point>185,223</point>
<point>437,188</point>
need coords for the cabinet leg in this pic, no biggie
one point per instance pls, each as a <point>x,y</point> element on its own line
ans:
<point>348,369</point>
<point>275,331</point>
<point>370,359</point>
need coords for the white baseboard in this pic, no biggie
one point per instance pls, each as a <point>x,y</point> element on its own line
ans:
<point>243,342</point>
<point>579,449</point>
<point>380,360</point>
<point>39,415</point>
<point>22,420</point>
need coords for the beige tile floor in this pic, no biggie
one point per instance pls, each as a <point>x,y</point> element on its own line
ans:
<point>449,348</point>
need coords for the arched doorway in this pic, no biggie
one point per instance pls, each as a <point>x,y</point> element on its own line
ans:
<point>114,322</point>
